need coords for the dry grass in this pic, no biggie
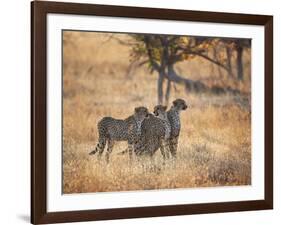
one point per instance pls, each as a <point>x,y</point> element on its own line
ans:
<point>215,141</point>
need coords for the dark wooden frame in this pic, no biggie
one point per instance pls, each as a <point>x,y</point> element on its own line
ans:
<point>39,11</point>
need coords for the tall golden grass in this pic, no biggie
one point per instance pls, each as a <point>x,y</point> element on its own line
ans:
<point>215,140</point>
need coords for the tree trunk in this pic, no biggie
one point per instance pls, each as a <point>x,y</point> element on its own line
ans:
<point>228,58</point>
<point>160,87</point>
<point>168,91</point>
<point>215,55</point>
<point>239,63</point>
<point>190,85</point>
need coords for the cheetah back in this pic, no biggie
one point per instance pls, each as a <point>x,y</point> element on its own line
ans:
<point>174,119</point>
<point>152,131</point>
<point>114,129</point>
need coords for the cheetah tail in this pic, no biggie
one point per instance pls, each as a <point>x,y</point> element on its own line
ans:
<point>99,148</point>
<point>123,152</point>
<point>94,151</point>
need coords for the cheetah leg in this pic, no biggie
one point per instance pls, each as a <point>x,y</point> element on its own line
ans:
<point>164,148</point>
<point>138,147</point>
<point>130,150</point>
<point>167,148</point>
<point>109,149</point>
<point>173,145</point>
<point>100,147</point>
<point>163,153</point>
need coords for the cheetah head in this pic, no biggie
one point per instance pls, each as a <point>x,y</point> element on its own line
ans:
<point>159,110</point>
<point>141,113</point>
<point>179,104</point>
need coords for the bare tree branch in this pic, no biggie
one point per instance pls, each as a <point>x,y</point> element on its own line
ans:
<point>154,64</point>
<point>120,41</point>
<point>212,60</point>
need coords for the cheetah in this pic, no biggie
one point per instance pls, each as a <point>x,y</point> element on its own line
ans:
<point>150,139</point>
<point>111,130</point>
<point>155,133</point>
<point>174,119</point>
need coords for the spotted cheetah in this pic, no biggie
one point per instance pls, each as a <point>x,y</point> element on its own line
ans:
<point>174,119</point>
<point>111,130</point>
<point>155,133</point>
<point>150,141</point>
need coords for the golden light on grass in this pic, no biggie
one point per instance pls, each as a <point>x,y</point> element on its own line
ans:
<point>215,140</point>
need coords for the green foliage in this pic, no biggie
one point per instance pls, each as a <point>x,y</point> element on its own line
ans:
<point>169,49</point>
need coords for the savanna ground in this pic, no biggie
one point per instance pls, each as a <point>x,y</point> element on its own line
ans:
<point>215,140</point>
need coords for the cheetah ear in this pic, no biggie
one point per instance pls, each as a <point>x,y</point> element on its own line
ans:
<point>175,102</point>
<point>136,109</point>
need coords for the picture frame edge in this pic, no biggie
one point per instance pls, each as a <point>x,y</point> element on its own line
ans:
<point>38,112</point>
<point>268,73</point>
<point>39,214</point>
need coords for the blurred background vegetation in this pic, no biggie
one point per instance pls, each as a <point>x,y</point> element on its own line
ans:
<point>227,60</point>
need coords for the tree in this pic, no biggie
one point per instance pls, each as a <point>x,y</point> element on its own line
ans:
<point>240,46</point>
<point>236,46</point>
<point>162,52</point>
